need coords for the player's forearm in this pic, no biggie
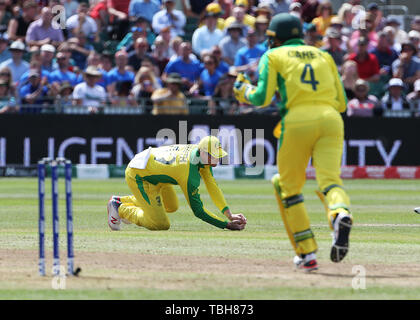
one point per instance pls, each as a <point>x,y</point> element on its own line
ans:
<point>210,218</point>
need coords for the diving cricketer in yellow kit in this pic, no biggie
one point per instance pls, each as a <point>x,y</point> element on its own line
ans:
<point>312,97</point>
<point>151,176</point>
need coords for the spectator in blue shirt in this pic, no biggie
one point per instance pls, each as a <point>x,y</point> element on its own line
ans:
<point>247,57</point>
<point>35,92</point>
<point>62,73</point>
<point>385,53</point>
<point>143,8</point>
<point>209,77</point>
<point>119,73</point>
<point>4,51</point>
<point>80,49</point>
<point>183,65</point>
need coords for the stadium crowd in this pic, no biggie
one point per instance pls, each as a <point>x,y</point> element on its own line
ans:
<point>164,55</point>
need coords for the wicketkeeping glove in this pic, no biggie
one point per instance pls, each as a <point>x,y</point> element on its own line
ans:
<point>242,88</point>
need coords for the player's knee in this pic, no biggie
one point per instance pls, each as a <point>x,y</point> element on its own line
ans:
<point>164,225</point>
<point>171,208</point>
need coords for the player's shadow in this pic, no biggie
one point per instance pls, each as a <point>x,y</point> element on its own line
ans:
<point>336,275</point>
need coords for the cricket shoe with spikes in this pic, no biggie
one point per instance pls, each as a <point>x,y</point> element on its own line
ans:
<point>342,224</point>
<point>306,262</point>
<point>114,220</point>
<point>118,198</point>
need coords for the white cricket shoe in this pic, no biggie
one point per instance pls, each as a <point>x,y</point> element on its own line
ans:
<point>308,263</point>
<point>417,210</point>
<point>342,225</point>
<point>118,198</point>
<point>114,220</point>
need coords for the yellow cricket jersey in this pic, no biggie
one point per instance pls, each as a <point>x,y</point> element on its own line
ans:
<point>304,76</point>
<point>180,165</point>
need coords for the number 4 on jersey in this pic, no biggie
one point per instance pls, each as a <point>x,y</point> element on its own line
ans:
<point>312,81</point>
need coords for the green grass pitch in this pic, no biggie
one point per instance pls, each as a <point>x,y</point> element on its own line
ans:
<point>194,260</point>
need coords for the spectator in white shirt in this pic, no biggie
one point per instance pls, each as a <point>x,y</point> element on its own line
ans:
<point>169,17</point>
<point>82,21</point>
<point>208,35</point>
<point>88,93</point>
<point>394,98</point>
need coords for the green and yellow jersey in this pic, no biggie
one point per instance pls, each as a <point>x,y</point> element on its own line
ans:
<point>303,76</point>
<point>181,165</point>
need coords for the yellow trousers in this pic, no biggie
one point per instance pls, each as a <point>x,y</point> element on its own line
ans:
<point>150,212</point>
<point>306,132</point>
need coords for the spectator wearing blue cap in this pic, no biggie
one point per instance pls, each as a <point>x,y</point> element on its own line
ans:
<point>143,8</point>
<point>4,51</point>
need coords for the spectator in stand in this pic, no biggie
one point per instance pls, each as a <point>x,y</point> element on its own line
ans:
<point>367,63</point>
<point>41,31</point>
<point>349,76</point>
<point>62,73</point>
<point>188,69</point>
<point>81,21</point>
<point>165,36</point>
<point>119,73</point>
<point>118,11</point>
<point>169,17</point>
<point>170,100</point>
<point>224,101</point>
<point>46,57</point>
<point>71,7</point>
<point>390,32</point>
<point>4,51</point>
<point>35,64</point>
<point>144,8</point>
<point>88,93</point>
<point>324,16</point>
<point>160,54</point>
<point>366,30</point>
<point>226,7</point>
<point>414,38</point>
<point>145,84</point>
<point>333,46</point>
<point>277,6</point>
<point>264,9</point>
<point>385,54</point>
<point>208,80</point>
<point>216,9</point>
<point>174,47</point>
<point>122,97</point>
<point>100,14</point>
<point>346,15</point>
<point>363,104</point>
<point>139,54</point>
<point>261,26</point>
<point>64,97</point>
<point>232,42</point>
<point>394,98</point>
<point>309,9</point>
<point>16,64</point>
<point>130,39</point>
<point>195,8</point>
<point>35,92</point>
<point>221,65</point>
<point>7,100</point>
<point>414,97</point>
<point>415,24</point>
<point>104,66</point>
<point>407,66</point>
<point>295,9</point>
<point>400,35</point>
<point>80,49</point>
<point>379,22</point>
<point>248,57</point>
<point>208,35</point>
<point>18,26</point>
<point>312,37</point>
<point>6,75</point>
<point>239,15</point>
<point>5,17</point>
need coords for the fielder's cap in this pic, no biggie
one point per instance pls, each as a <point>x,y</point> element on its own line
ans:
<point>93,71</point>
<point>174,78</point>
<point>333,33</point>
<point>417,85</point>
<point>212,146</point>
<point>33,73</point>
<point>395,82</point>
<point>17,45</point>
<point>48,48</point>
<point>285,26</point>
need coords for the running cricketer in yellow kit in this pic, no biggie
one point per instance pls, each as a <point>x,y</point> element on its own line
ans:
<point>151,176</point>
<point>312,97</point>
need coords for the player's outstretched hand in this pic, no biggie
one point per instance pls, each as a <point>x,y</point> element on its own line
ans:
<point>236,225</point>
<point>238,216</point>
